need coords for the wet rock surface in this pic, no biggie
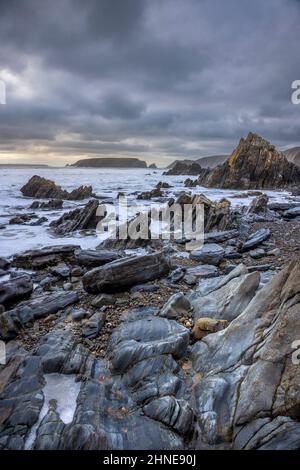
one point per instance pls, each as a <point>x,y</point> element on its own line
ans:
<point>125,273</point>
<point>157,350</point>
<point>249,369</point>
<point>15,289</point>
<point>78,219</point>
<point>38,187</point>
<point>254,164</point>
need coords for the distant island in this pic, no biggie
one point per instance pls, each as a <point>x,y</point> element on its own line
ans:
<point>23,165</point>
<point>110,163</point>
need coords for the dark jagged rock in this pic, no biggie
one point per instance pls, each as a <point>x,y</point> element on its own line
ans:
<point>21,219</point>
<point>4,264</point>
<point>184,168</point>
<point>53,204</point>
<point>13,321</point>
<point>125,273</point>
<point>78,219</point>
<point>259,205</point>
<point>152,166</point>
<point>48,256</point>
<point>94,258</point>
<point>254,164</point>
<point>156,192</point>
<point>41,188</point>
<point>15,289</point>
<point>217,215</point>
<point>163,185</point>
<point>256,239</point>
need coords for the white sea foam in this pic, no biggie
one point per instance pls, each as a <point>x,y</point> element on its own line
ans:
<point>105,182</point>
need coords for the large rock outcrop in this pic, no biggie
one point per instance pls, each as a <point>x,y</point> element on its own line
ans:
<point>42,188</point>
<point>184,168</point>
<point>254,164</point>
<point>248,396</point>
<point>83,218</point>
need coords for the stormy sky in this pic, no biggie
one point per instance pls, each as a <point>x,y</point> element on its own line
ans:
<point>155,79</point>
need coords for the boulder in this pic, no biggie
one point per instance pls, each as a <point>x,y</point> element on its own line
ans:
<point>257,253</point>
<point>256,239</point>
<point>125,273</point>
<point>202,271</point>
<point>93,325</point>
<point>94,258</point>
<point>103,300</point>
<point>222,236</point>
<point>53,204</point>
<point>211,253</point>
<point>4,264</point>
<point>41,188</point>
<point>175,306</point>
<point>48,256</point>
<point>259,205</point>
<point>15,289</point>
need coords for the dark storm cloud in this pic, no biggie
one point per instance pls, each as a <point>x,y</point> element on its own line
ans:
<point>154,78</point>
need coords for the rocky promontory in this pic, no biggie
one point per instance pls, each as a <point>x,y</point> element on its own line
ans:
<point>254,164</point>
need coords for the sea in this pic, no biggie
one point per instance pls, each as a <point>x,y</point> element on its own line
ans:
<point>107,184</point>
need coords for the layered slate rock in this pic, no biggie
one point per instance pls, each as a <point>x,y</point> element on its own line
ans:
<point>254,164</point>
<point>146,337</point>
<point>144,407</point>
<point>15,289</point>
<point>256,239</point>
<point>83,218</point>
<point>41,188</point>
<point>218,215</point>
<point>125,273</point>
<point>249,394</point>
<point>225,297</point>
<point>13,321</point>
<point>94,258</point>
<point>211,253</point>
<point>47,256</point>
<point>53,204</point>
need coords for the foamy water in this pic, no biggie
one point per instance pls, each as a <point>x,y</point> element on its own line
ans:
<point>106,183</point>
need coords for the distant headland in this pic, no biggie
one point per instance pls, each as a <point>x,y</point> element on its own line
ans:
<point>111,163</point>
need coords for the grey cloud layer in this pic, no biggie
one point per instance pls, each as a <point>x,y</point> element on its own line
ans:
<point>156,78</point>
